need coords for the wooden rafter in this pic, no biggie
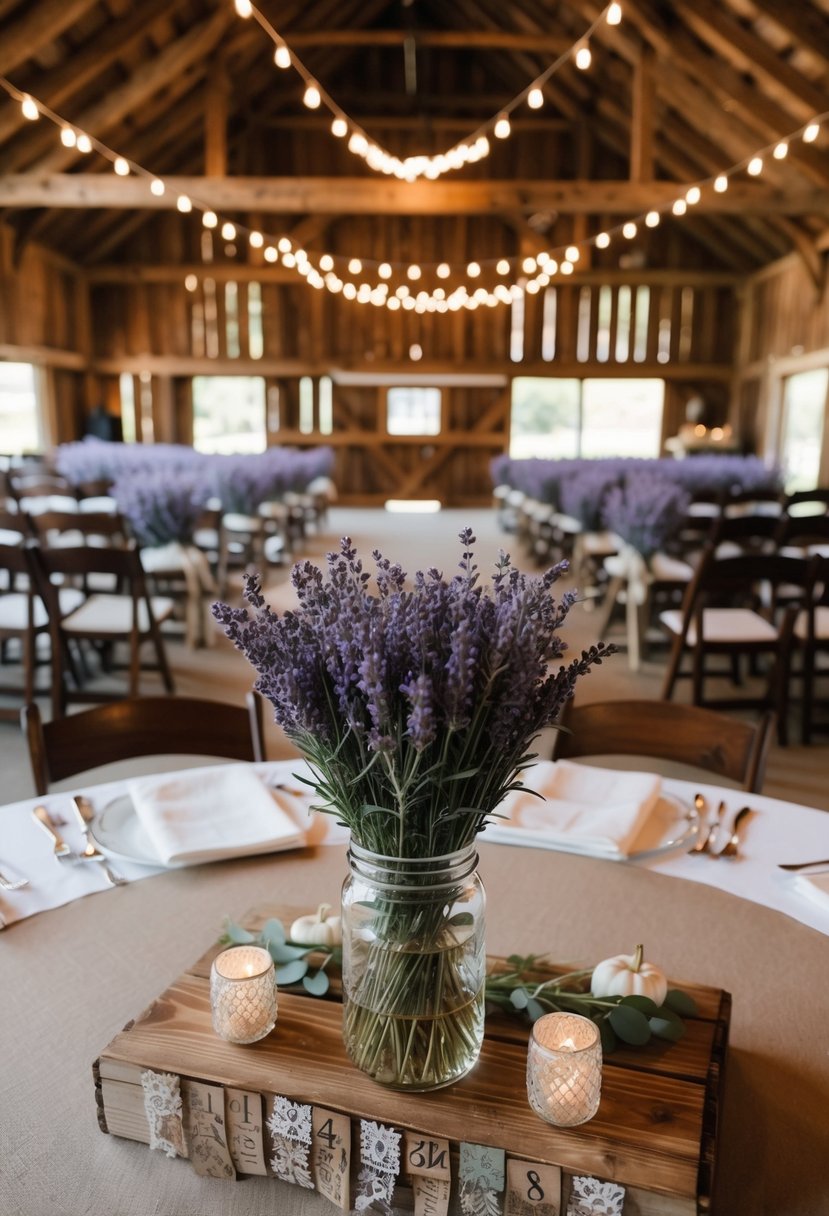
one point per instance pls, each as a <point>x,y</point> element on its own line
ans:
<point>374,196</point>
<point>41,24</point>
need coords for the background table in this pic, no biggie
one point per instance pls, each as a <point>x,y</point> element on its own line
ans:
<point>73,976</point>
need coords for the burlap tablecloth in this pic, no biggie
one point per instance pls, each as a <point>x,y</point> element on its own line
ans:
<point>72,977</point>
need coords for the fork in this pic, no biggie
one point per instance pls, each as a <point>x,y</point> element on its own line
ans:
<point>61,848</point>
<point>731,847</point>
<point>706,845</point>
<point>84,816</point>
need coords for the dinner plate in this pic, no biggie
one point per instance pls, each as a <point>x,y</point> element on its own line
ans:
<point>118,832</point>
<point>672,825</point>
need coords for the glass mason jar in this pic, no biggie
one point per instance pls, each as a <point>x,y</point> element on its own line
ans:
<point>414,967</point>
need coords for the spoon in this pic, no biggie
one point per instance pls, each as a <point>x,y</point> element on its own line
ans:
<point>706,845</point>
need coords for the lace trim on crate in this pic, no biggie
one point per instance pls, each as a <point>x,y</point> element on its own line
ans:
<point>162,1106</point>
<point>590,1197</point>
<point>380,1159</point>
<point>290,1126</point>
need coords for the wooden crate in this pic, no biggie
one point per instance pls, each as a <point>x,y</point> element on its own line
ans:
<point>655,1132</point>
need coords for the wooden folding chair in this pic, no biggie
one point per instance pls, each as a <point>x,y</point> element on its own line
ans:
<point>142,726</point>
<point>684,734</point>
<point>103,617</point>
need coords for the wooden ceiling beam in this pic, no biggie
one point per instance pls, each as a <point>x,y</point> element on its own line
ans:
<point>497,40</point>
<point>642,117</point>
<point>42,24</point>
<point>194,47</point>
<point>803,22</point>
<point>373,196</point>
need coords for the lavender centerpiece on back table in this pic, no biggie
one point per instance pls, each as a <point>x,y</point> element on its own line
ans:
<point>416,707</point>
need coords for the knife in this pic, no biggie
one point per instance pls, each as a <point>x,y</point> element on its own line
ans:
<point>84,816</point>
<point>803,865</point>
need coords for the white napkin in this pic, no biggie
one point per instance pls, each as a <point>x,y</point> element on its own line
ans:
<point>814,887</point>
<point>584,810</point>
<point>210,814</point>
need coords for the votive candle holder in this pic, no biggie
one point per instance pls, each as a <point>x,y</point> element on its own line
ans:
<point>243,994</point>
<point>564,1069</point>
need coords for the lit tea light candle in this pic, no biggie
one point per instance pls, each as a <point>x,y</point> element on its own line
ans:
<point>564,1069</point>
<point>243,994</point>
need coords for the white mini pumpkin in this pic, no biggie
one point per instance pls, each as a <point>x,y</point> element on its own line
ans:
<point>318,929</point>
<point>628,975</point>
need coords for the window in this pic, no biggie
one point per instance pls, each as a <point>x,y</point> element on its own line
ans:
<point>306,405</point>
<point>19,414</point>
<point>229,414</point>
<point>126,386</point>
<point>559,419</point>
<point>413,411</point>
<point>325,396</point>
<point>801,439</point>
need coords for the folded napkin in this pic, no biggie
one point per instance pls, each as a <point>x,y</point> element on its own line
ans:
<point>814,887</point>
<point>582,810</point>
<point>209,814</point>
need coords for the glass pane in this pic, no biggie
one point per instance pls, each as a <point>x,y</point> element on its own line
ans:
<point>622,417</point>
<point>126,386</point>
<point>256,340</point>
<point>229,414</point>
<point>801,440</point>
<point>326,405</point>
<point>19,419</point>
<point>623,325</point>
<point>232,320</point>
<point>413,411</point>
<point>306,405</point>
<point>545,417</point>
<point>516,333</point>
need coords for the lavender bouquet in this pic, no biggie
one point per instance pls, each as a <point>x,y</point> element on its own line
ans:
<point>646,511</point>
<point>416,709</point>
<point>161,509</point>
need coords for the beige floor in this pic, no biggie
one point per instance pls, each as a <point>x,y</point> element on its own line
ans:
<point>795,773</point>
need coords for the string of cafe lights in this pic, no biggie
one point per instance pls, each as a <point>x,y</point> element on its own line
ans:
<point>473,147</point>
<point>340,273</point>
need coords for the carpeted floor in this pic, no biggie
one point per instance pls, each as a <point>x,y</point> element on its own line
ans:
<point>417,542</point>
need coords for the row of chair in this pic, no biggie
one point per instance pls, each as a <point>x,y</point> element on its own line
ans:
<point>726,747</point>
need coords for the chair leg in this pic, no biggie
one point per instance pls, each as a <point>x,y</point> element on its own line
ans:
<point>673,668</point>
<point>698,675</point>
<point>161,657</point>
<point>808,694</point>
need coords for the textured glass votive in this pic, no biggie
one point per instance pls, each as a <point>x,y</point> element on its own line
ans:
<point>243,994</point>
<point>564,1069</point>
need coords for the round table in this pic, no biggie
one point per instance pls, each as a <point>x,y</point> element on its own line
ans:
<point>73,976</point>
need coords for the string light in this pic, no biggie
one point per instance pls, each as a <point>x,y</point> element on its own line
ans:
<point>270,254</point>
<point>584,57</point>
<point>473,270</point>
<point>210,219</point>
<point>83,143</point>
<point>228,231</point>
<point>355,266</point>
<point>811,133</point>
<point>282,56</point>
<point>28,109</point>
<point>414,272</point>
<point>614,14</point>
<point>503,266</point>
<point>384,270</point>
<point>184,204</point>
<point>572,253</point>
<point>443,271</point>
<point>755,166</point>
<point>652,219</point>
<point>339,127</point>
<point>781,150</point>
<point>721,183</point>
<point>68,137</point>
<point>121,166</point>
<point>502,128</point>
<point>535,99</point>
<point>679,207</point>
<point>629,230</point>
<point>244,8</point>
<point>326,262</point>
<point>693,196</point>
<point>157,187</point>
<point>283,245</point>
<point>529,265</point>
<point>602,240</point>
<point>256,240</point>
<point>312,97</point>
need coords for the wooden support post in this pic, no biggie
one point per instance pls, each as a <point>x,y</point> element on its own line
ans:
<point>215,121</point>
<point>641,123</point>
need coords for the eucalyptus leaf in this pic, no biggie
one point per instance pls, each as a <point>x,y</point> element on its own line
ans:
<point>535,1009</point>
<point>291,973</point>
<point>608,1036</point>
<point>462,918</point>
<point>630,1025</point>
<point>236,934</point>
<point>667,1028</point>
<point>519,998</point>
<point>286,954</point>
<point>643,1003</point>
<point>273,931</point>
<point>681,1003</point>
<point>317,984</point>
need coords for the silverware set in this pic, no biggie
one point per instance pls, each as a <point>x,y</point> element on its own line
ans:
<point>706,843</point>
<point>84,816</point>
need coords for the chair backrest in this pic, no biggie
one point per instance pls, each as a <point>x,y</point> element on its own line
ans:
<point>140,726</point>
<point>751,578</point>
<point>667,730</point>
<point>750,532</point>
<point>13,564</point>
<point>753,502</point>
<point>803,532</point>
<point>818,498</point>
<point>83,527</point>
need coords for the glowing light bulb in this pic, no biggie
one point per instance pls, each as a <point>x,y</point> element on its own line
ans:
<point>552,265</point>
<point>693,196</point>
<point>473,270</point>
<point>584,58</point>
<point>781,151</point>
<point>256,240</point>
<point>392,304</point>
<point>614,14</point>
<point>402,291</point>
<point>121,166</point>
<point>282,56</point>
<point>183,203</point>
<point>502,266</point>
<point>679,207</point>
<point>811,133</point>
<point>68,137</point>
<point>566,268</point>
<point>311,97</point>
<point>529,265</point>
<point>629,230</point>
<point>210,219</point>
<point>443,271</point>
<point>535,99</point>
<point>413,272</point>
<point>502,128</point>
<point>652,219</point>
<point>755,166</point>
<point>28,109</point>
<point>157,187</point>
<point>602,240</point>
<point>384,270</point>
<point>349,291</point>
<point>326,262</point>
<point>243,7</point>
<point>283,244</point>
<point>358,144</point>
<point>339,127</point>
<point>84,143</point>
<point>270,254</point>
<point>571,253</point>
<point>355,266</point>
<point>721,184</point>
<point>228,230</point>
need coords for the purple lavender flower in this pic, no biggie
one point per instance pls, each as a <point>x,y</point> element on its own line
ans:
<point>161,509</point>
<point>646,511</point>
